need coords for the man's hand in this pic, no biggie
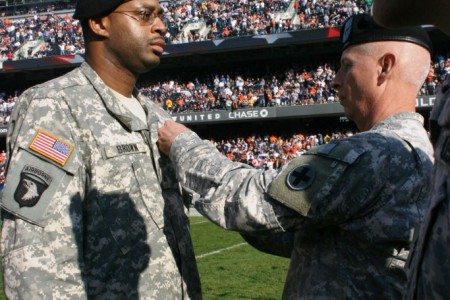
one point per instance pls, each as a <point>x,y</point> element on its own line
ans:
<point>167,134</point>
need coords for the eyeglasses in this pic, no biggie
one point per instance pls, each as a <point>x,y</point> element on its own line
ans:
<point>145,17</point>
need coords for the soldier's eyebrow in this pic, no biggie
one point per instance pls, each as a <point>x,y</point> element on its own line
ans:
<point>149,7</point>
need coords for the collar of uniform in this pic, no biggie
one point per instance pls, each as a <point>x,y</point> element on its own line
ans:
<point>111,102</point>
<point>399,116</point>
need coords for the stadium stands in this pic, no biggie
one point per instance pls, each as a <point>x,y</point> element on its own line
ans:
<point>38,29</point>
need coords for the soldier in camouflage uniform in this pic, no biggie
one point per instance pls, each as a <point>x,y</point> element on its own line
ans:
<point>428,268</point>
<point>90,208</point>
<point>352,204</point>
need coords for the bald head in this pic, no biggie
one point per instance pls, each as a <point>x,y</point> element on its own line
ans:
<point>411,65</point>
<point>379,79</point>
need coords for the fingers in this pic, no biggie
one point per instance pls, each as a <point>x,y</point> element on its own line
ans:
<point>162,142</point>
<point>168,133</point>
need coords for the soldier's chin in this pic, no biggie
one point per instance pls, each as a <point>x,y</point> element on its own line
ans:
<point>150,65</point>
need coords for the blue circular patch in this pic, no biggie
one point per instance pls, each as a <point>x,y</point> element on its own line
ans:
<point>301,177</point>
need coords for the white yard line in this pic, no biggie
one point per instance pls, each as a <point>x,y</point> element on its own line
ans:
<point>220,250</point>
<point>201,222</point>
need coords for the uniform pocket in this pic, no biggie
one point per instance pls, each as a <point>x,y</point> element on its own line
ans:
<point>18,273</point>
<point>117,211</point>
<point>151,192</point>
<point>129,203</point>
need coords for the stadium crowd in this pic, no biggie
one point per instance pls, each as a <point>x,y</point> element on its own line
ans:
<point>255,17</point>
<point>269,151</point>
<point>60,34</point>
<point>55,32</point>
<point>292,85</point>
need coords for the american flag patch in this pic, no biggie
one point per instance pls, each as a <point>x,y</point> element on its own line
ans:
<point>51,147</point>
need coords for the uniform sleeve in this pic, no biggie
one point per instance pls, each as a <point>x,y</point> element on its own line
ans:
<point>233,195</point>
<point>41,203</point>
<point>334,183</point>
<point>279,244</point>
<point>328,186</point>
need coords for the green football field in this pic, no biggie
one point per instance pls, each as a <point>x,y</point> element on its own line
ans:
<point>232,269</point>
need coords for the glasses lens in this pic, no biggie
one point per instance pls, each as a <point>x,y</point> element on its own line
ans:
<point>147,17</point>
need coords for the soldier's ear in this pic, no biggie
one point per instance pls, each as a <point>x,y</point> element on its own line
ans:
<point>386,64</point>
<point>99,26</point>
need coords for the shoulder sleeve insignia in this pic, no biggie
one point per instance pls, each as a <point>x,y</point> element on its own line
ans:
<point>51,147</point>
<point>308,179</point>
<point>33,182</point>
<point>301,177</point>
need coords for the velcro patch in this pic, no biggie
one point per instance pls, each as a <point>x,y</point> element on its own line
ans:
<point>310,177</point>
<point>123,149</point>
<point>301,177</point>
<point>51,147</point>
<point>33,182</point>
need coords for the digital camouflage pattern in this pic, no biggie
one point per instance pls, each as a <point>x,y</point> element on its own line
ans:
<point>351,204</point>
<point>428,268</point>
<point>109,222</point>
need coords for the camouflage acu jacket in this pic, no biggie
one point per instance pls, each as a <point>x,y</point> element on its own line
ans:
<point>350,206</point>
<point>428,267</point>
<point>91,210</point>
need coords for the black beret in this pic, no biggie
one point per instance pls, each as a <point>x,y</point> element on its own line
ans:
<point>93,8</point>
<point>361,28</point>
